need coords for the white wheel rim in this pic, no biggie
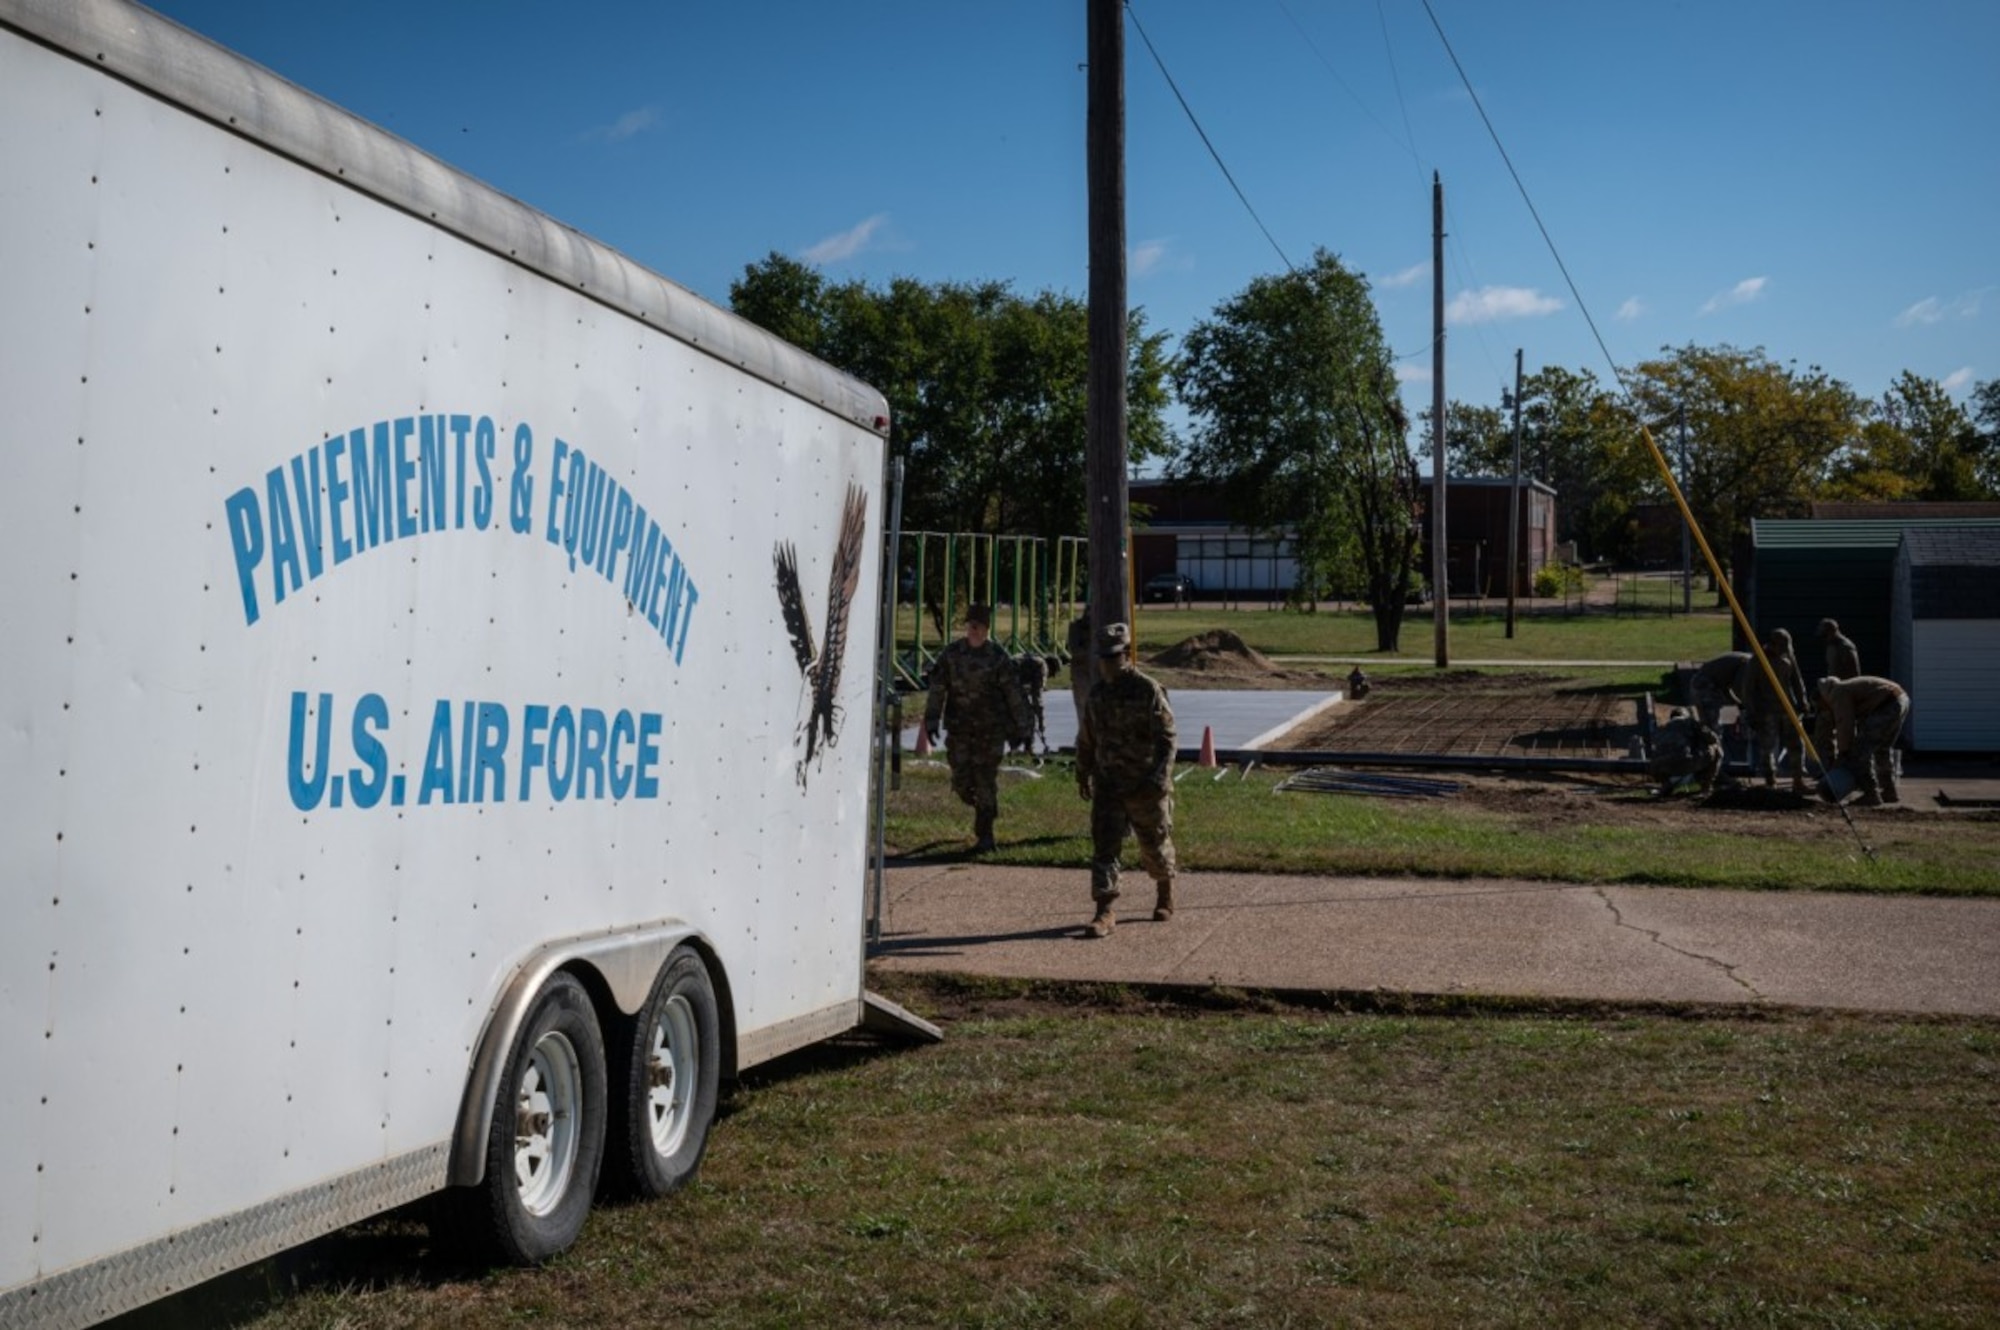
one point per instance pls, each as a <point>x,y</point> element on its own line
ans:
<point>671,1065</point>
<point>546,1105</point>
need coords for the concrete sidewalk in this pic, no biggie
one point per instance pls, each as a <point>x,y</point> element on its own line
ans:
<point>1904,955</point>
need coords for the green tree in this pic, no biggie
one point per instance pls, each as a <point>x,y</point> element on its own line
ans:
<point>1575,437</point>
<point>1761,437</point>
<point>1917,444</point>
<point>1478,440</point>
<point>1295,416</point>
<point>986,388</point>
<point>1986,420</point>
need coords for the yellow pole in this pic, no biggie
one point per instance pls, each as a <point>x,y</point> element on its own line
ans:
<point>1729,592</point>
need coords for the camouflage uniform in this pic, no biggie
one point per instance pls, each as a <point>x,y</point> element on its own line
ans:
<point>1684,747</point>
<point>1842,660</point>
<point>1763,715</point>
<point>1125,767</point>
<point>976,692</point>
<point>1713,686</point>
<point>1860,720</point>
<point>1033,670</point>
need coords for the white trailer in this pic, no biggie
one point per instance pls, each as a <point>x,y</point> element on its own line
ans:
<point>438,684</point>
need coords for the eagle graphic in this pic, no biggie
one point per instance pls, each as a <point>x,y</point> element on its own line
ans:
<point>820,668</point>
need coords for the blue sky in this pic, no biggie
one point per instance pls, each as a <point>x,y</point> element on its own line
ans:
<point>1818,178</point>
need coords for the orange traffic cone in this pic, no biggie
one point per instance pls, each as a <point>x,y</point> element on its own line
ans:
<point>1207,758</point>
<point>923,740</point>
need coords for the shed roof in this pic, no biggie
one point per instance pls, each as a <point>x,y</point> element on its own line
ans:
<point>1954,510</point>
<point>1960,545</point>
<point>1806,534</point>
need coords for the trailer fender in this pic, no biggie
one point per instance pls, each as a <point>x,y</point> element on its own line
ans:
<point>626,963</point>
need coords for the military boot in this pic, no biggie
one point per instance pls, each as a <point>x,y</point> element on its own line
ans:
<point>1163,904</point>
<point>1102,922</point>
<point>982,832</point>
<point>1890,794</point>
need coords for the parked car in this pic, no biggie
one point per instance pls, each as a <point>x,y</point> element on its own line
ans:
<point>1176,588</point>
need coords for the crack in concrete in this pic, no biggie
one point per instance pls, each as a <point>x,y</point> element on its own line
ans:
<point>1728,970</point>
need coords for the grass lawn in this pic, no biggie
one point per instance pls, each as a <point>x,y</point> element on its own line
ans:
<point>1544,632</point>
<point>1092,1159</point>
<point>1620,835</point>
<point>1473,635</point>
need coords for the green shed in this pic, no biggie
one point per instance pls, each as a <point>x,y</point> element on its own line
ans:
<point>1803,570</point>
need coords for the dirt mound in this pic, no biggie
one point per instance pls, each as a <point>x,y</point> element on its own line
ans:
<point>1219,651</point>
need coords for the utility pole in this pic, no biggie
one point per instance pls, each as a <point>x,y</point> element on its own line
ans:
<point>1514,502</point>
<point>1687,552</point>
<point>1440,566</point>
<point>1104,409</point>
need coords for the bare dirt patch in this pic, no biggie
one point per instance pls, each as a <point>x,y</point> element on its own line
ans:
<point>1469,715</point>
<point>1221,658</point>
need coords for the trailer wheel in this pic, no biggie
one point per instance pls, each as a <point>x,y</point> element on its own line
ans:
<point>673,1066</point>
<point>546,1141</point>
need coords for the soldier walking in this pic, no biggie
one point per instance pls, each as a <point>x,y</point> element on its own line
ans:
<point>1765,717</point>
<point>1859,722</point>
<point>1125,768</point>
<point>975,691</point>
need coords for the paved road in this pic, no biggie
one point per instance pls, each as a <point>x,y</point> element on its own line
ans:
<point>1513,939</point>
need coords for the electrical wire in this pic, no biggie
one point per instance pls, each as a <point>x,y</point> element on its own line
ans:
<point>1494,134</point>
<point>1205,142</point>
<point>1736,610</point>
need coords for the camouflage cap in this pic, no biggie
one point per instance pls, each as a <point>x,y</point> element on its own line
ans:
<point>1115,640</point>
<point>979,613</point>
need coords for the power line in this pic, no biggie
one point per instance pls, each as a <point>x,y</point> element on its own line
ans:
<point>1548,240</point>
<point>1151,49</point>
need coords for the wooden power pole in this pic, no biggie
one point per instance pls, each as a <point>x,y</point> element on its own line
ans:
<point>1104,411</point>
<point>1440,565</point>
<point>1514,501</point>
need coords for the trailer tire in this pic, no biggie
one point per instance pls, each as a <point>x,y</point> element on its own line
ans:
<point>545,1145</point>
<point>672,1068</point>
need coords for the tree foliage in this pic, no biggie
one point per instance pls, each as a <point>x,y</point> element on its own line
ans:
<point>1761,437</point>
<point>1295,414</point>
<point>1916,445</point>
<point>1577,438</point>
<point>1986,422</point>
<point>986,388</point>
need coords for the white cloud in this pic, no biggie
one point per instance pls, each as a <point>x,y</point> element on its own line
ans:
<point>1407,277</point>
<point>845,244</point>
<point>1928,310</point>
<point>1743,293</point>
<point>1630,310</point>
<point>1146,256</point>
<point>626,126</point>
<point>1932,310</point>
<point>1958,380</point>
<point>1492,304</point>
<point>1412,374</point>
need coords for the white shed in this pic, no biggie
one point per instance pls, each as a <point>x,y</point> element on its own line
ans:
<point>1944,636</point>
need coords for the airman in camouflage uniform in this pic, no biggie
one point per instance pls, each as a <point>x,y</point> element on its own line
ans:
<point>1860,720</point>
<point>1765,717</point>
<point>1842,660</point>
<point>1714,686</point>
<point>1125,768</point>
<point>1034,670</point>
<point>1684,747</point>
<point>975,692</point>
